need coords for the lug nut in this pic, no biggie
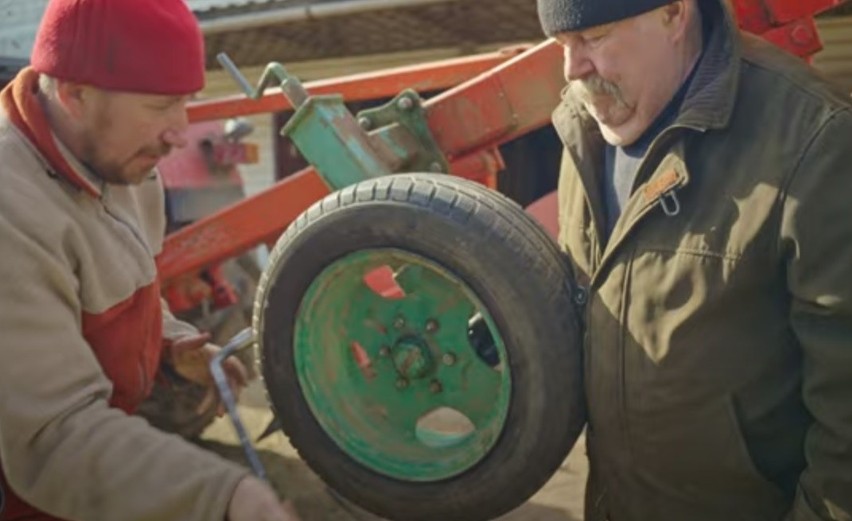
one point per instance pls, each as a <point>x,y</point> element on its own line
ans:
<point>448,359</point>
<point>431,325</point>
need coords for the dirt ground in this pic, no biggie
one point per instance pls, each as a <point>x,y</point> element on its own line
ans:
<point>559,500</point>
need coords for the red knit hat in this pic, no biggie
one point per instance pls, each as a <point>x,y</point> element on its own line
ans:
<point>148,46</point>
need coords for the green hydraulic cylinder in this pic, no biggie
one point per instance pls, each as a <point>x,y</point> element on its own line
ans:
<point>325,132</point>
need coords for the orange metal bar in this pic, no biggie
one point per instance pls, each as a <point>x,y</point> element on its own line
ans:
<point>786,23</point>
<point>508,101</point>
<point>511,96</point>
<point>799,37</point>
<point>239,227</point>
<point>504,104</point>
<point>785,11</point>
<point>262,217</point>
<point>426,77</point>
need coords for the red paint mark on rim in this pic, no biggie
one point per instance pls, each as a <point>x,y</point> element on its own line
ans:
<point>381,281</point>
<point>362,359</point>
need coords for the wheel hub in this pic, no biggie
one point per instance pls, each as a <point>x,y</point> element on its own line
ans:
<point>386,363</point>
<point>412,358</point>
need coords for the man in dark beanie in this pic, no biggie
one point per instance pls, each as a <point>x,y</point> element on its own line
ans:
<point>84,330</point>
<point>704,207</point>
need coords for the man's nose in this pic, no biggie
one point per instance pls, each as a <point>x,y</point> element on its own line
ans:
<point>174,138</point>
<point>577,63</point>
<point>175,134</point>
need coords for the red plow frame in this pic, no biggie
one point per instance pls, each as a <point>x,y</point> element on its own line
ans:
<point>489,100</point>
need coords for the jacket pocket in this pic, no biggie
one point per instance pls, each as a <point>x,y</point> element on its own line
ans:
<point>693,463</point>
<point>745,457</point>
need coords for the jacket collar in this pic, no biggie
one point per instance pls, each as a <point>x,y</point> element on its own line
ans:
<point>20,101</point>
<point>709,102</point>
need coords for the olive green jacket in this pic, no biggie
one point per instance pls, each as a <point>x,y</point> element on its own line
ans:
<point>718,338</point>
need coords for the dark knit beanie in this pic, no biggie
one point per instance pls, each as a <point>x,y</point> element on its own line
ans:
<point>559,16</point>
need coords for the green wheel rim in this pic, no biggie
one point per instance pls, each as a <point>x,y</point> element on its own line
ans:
<point>387,364</point>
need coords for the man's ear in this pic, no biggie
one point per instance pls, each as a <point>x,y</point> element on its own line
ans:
<point>73,97</point>
<point>676,16</point>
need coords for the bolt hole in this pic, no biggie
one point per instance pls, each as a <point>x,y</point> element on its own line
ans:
<point>443,427</point>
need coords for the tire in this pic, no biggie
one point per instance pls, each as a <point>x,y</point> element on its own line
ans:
<point>513,270</point>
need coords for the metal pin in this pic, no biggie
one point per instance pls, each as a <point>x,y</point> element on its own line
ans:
<point>670,204</point>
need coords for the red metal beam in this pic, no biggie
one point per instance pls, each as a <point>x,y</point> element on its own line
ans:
<point>261,218</point>
<point>239,227</point>
<point>503,104</point>
<point>799,37</point>
<point>426,77</point>
<point>513,96</point>
<point>784,11</point>
<point>510,100</point>
<point>788,24</point>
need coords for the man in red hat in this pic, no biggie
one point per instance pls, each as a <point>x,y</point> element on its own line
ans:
<point>84,330</point>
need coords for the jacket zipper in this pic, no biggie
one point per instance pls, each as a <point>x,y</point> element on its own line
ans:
<point>143,381</point>
<point>133,231</point>
<point>671,206</point>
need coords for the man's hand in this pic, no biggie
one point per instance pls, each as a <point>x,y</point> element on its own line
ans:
<point>253,500</point>
<point>190,357</point>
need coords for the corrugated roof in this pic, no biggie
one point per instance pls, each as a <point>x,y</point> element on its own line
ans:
<point>202,7</point>
<point>459,25</point>
<point>206,5</point>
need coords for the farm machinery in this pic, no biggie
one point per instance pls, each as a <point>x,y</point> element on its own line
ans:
<point>415,328</point>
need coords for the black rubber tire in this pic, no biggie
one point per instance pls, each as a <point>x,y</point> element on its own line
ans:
<point>517,272</point>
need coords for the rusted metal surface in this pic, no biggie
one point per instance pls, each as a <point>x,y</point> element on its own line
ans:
<point>494,103</point>
<point>784,11</point>
<point>240,227</point>
<point>387,83</point>
<point>500,105</point>
<point>482,166</point>
<point>261,218</point>
<point>786,23</point>
<point>403,131</point>
<point>799,37</point>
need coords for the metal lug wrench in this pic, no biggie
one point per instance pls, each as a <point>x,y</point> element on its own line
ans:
<point>242,340</point>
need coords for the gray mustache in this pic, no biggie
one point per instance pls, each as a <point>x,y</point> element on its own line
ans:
<point>587,88</point>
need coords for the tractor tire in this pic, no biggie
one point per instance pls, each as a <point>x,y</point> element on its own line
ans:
<point>348,370</point>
